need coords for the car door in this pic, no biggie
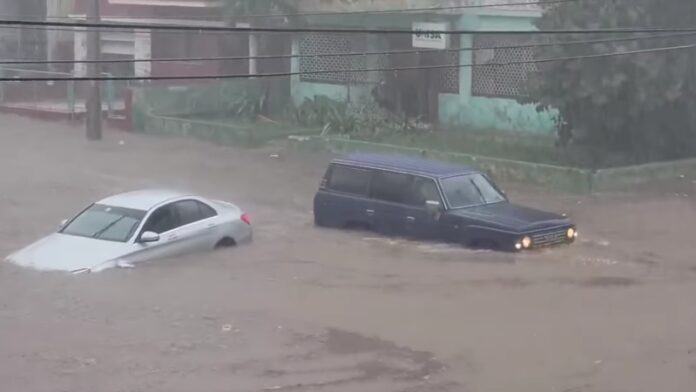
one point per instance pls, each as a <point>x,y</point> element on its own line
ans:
<point>389,192</point>
<point>164,221</point>
<point>421,222</point>
<point>197,230</point>
<point>343,201</point>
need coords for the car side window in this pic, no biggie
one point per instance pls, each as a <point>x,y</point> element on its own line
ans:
<point>423,189</point>
<point>162,220</point>
<point>349,179</point>
<point>206,210</point>
<point>391,187</point>
<point>189,211</point>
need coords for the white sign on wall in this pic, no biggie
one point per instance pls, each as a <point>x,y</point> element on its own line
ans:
<point>425,37</point>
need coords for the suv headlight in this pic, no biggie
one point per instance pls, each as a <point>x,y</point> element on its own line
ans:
<point>523,243</point>
<point>571,233</point>
<point>526,242</point>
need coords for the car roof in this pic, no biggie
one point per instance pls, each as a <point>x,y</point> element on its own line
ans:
<point>144,199</point>
<point>404,163</point>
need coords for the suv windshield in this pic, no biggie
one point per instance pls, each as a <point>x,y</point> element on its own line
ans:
<point>105,223</point>
<point>470,190</point>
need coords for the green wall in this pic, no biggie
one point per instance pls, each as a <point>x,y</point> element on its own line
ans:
<point>482,113</point>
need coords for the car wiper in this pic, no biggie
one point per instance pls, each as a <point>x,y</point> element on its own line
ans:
<point>483,198</point>
<point>110,225</point>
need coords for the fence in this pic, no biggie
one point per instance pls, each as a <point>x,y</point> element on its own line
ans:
<point>55,96</point>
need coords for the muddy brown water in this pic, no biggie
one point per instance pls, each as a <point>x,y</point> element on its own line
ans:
<point>305,309</point>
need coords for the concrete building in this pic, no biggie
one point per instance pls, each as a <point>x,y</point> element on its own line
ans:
<point>471,97</point>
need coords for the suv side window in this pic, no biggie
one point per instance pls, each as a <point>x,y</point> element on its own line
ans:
<point>391,187</point>
<point>349,179</point>
<point>423,189</point>
<point>162,220</point>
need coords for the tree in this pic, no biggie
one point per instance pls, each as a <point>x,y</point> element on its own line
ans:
<point>638,106</point>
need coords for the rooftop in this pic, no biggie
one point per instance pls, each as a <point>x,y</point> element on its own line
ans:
<point>141,200</point>
<point>405,163</point>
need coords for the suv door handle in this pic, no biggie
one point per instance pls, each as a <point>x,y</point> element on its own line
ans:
<point>370,212</point>
<point>410,219</point>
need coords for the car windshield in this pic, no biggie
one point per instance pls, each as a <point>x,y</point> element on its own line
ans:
<point>470,190</point>
<point>105,223</point>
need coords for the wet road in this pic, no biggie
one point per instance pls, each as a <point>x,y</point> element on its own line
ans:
<point>309,309</point>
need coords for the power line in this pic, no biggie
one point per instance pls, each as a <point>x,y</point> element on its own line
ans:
<point>340,13</point>
<point>138,26</point>
<point>345,54</point>
<point>111,30</point>
<point>217,16</point>
<point>410,68</point>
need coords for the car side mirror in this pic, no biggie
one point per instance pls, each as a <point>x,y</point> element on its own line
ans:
<point>148,237</point>
<point>433,206</point>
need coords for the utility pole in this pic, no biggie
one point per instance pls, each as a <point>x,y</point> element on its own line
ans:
<point>93,104</point>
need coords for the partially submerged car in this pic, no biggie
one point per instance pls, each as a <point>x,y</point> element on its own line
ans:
<point>399,195</point>
<point>134,227</point>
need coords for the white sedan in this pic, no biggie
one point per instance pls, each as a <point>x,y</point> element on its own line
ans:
<point>137,226</point>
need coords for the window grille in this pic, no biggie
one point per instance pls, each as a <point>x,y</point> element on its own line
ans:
<point>502,80</point>
<point>449,77</point>
<point>320,43</point>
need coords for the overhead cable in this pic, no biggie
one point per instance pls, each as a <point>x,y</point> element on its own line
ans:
<point>389,69</point>
<point>346,54</point>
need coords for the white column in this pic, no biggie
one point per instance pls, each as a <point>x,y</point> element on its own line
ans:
<point>143,50</point>
<point>253,52</point>
<point>253,47</point>
<point>80,69</point>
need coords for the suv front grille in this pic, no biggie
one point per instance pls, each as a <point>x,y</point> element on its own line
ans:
<point>549,238</point>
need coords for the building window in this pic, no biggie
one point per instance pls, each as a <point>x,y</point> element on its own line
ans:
<point>449,77</point>
<point>176,45</point>
<point>318,44</point>
<point>505,81</point>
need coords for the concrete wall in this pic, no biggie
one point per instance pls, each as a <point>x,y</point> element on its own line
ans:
<point>9,36</point>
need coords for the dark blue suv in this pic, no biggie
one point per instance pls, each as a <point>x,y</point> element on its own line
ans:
<point>399,195</point>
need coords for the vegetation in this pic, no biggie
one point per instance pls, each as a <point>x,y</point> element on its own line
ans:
<point>634,108</point>
<point>363,120</point>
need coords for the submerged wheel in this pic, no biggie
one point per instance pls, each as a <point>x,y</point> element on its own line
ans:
<point>482,244</point>
<point>226,242</point>
<point>318,221</point>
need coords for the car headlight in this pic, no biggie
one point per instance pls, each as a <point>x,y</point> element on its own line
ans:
<point>526,242</point>
<point>571,233</point>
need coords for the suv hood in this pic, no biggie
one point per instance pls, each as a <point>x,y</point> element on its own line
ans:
<point>511,217</point>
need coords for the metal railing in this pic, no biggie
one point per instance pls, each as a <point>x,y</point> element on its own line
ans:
<point>59,95</point>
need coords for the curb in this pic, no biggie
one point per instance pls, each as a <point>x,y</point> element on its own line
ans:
<point>568,179</point>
